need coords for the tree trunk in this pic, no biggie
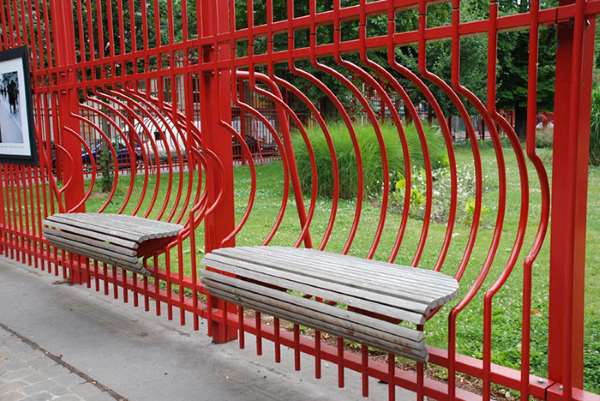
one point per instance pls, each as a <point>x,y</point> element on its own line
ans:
<point>521,122</point>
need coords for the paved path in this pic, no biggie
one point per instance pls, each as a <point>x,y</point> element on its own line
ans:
<point>29,373</point>
<point>56,339</point>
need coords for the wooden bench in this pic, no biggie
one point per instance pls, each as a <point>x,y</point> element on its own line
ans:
<point>356,298</point>
<point>111,238</point>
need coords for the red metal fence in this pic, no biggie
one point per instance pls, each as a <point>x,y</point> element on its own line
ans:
<point>153,82</point>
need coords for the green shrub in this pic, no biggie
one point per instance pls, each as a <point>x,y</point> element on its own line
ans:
<point>544,137</point>
<point>105,168</point>
<point>371,157</point>
<point>595,129</point>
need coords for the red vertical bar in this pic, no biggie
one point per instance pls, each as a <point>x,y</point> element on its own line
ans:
<point>340,362</point>
<point>574,61</point>
<point>392,375</point>
<point>18,210</point>
<point>364,369</point>
<point>33,247</point>
<point>25,210</point>
<point>169,285</point>
<point>215,99</point>
<point>10,244</point>
<point>258,323</point>
<point>242,96</point>
<point>242,338</point>
<point>64,42</point>
<point>3,229</point>
<point>317,354</point>
<point>277,340</point>
<point>297,347</point>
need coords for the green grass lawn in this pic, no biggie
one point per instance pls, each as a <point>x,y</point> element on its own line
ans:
<point>507,304</point>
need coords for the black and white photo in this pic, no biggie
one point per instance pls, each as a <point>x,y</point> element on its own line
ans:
<point>17,141</point>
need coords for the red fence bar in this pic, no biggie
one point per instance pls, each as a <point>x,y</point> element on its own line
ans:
<point>4,246</point>
<point>67,142</point>
<point>215,108</point>
<point>69,146</point>
<point>574,63</point>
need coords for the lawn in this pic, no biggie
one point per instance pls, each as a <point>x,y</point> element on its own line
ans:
<point>507,304</point>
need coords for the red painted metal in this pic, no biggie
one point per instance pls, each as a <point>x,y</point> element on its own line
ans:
<point>216,107</point>
<point>569,199</point>
<point>160,102</point>
<point>68,100</point>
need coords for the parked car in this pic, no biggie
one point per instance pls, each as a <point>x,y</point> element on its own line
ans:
<point>123,156</point>
<point>162,134</point>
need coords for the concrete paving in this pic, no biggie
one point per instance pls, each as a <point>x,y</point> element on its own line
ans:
<point>86,346</point>
<point>27,373</point>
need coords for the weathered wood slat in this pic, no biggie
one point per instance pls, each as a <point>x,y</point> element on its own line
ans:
<point>350,264</point>
<point>138,234</point>
<point>308,285</point>
<point>95,228</point>
<point>409,287</point>
<point>303,263</point>
<point>418,303</point>
<point>327,294</point>
<point>113,239</point>
<point>136,224</point>
<point>377,288</point>
<point>223,282</point>
<point>128,228</point>
<point>346,260</point>
<point>90,234</point>
<point>97,243</point>
<point>338,330</point>
<point>111,259</point>
<point>377,269</point>
<point>94,254</point>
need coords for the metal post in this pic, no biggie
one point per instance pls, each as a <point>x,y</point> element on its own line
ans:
<point>3,230</point>
<point>574,61</point>
<point>242,95</point>
<point>68,101</point>
<point>215,105</point>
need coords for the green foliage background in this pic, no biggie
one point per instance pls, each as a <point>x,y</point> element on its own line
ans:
<point>595,129</point>
<point>512,49</point>
<point>370,154</point>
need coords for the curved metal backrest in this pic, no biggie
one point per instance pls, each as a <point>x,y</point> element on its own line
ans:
<point>141,157</point>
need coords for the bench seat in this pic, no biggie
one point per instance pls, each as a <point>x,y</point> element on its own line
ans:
<point>111,238</point>
<point>356,298</point>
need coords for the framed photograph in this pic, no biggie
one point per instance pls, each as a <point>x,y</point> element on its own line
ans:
<point>17,136</point>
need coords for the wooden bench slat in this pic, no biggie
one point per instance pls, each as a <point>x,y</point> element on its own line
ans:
<point>309,285</point>
<point>91,251</point>
<point>404,290</point>
<point>90,234</point>
<point>335,329</point>
<point>96,243</point>
<point>261,277</point>
<point>113,239</point>
<point>98,227</point>
<point>133,223</point>
<point>392,286</point>
<point>101,223</point>
<point>257,292</point>
<point>134,266</point>
<point>389,271</point>
<point>351,263</point>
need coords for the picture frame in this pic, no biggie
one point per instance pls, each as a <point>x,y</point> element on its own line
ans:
<point>17,133</point>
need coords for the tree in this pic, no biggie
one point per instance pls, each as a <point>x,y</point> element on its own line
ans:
<point>513,53</point>
<point>512,46</point>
